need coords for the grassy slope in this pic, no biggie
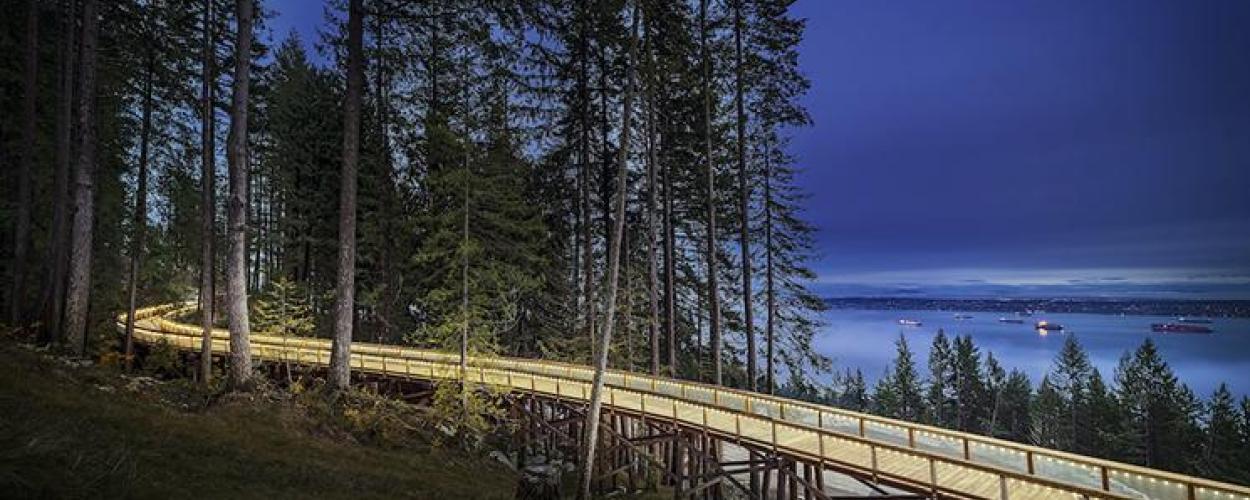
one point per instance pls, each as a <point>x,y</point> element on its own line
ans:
<point>61,435</point>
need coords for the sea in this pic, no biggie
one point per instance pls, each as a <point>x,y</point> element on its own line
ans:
<point>865,339</point>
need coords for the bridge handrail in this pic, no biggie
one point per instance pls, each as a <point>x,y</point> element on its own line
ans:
<point>1109,473</point>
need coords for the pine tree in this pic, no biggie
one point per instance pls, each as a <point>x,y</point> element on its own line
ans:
<point>970,394</point>
<point>1048,417</point>
<point>236,255</point>
<point>79,288</point>
<point>1016,398</point>
<point>899,393</point>
<point>854,394</point>
<point>1158,410</point>
<point>1223,444</point>
<point>345,302</point>
<point>940,400</point>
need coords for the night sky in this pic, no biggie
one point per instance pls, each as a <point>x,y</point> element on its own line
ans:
<point>1020,148</point>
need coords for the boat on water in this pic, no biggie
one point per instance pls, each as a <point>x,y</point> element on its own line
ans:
<point>961,317</point>
<point>1048,326</point>
<point>909,322</point>
<point>1196,321</point>
<point>1014,321</point>
<point>1179,328</point>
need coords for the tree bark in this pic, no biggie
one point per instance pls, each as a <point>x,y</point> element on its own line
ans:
<point>21,226</point>
<point>53,301</point>
<point>141,207</point>
<point>583,144</point>
<point>79,292</point>
<point>208,195</point>
<point>614,265</point>
<point>744,204</point>
<point>670,299</point>
<point>770,291</point>
<point>345,289</point>
<point>653,281</point>
<point>236,230</point>
<point>712,293</point>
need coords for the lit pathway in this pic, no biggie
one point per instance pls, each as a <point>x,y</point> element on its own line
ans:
<point>922,457</point>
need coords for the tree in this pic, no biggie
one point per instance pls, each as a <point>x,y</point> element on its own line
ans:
<point>1158,410</point>
<point>614,261</point>
<point>899,394</point>
<point>236,257</point>
<point>854,394</point>
<point>340,358</point>
<point>941,381</point>
<point>79,289</point>
<point>744,193</point>
<point>970,393</point>
<point>711,255</point>
<point>141,184</point>
<point>1048,416</point>
<point>283,310</point>
<point>53,301</point>
<point>1070,378</point>
<point>208,190</point>
<point>21,227</point>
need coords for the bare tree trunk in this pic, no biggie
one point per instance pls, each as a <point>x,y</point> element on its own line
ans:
<point>79,293</point>
<point>670,299</point>
<point>614,265</point>
<point>653,280</point>
<point>21,226</point>
<point>53,301</point>
<point>208,197</point>
<point>141,208</point>
<point>588,256</point>
<point>770,290</point>
<point>236,214</point>
<point>713,301</point>
<point>744,204</point>
<point>345,303</point>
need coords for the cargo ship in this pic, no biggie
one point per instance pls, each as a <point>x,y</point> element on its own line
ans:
<point>1196,321</point>
<point>908,322</point>
<point>1179,328</point>
<point>1048,326</point>
<point>1014,321</point>
<point>961,317</point>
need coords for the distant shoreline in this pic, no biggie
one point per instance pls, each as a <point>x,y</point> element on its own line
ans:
<point>1135,307</point>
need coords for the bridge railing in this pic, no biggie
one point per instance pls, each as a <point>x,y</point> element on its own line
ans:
<point>913,453</point>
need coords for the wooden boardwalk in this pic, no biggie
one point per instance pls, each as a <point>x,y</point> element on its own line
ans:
<point>916,457</point>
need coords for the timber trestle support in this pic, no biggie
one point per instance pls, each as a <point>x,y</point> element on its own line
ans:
<point>639,453</point>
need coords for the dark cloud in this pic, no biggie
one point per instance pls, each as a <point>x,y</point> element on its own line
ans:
<point>1044,135</point>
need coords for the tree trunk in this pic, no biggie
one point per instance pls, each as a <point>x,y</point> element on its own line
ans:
<point>21,226</point>
<point>141,208</point>
<point>53,301</point>
<point>653,281</point>
<point>208,195</point>
<point>770,291</point>
<point>236,215</point>
<point>588,256</point>
<point>79,293</point>
<point>614,264</point>
<point>345,303</point>
<point>713,301</point>
<point>670,299</point>
<point>744,204</point>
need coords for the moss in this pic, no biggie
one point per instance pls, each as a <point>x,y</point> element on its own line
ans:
<point>69,431</point>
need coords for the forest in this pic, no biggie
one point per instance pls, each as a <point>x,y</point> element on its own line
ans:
<point>606,182</point>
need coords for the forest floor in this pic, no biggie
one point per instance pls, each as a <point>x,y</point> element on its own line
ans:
<point>72,429</point>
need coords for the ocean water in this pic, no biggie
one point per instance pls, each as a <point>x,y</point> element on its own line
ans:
<point>864,339</point>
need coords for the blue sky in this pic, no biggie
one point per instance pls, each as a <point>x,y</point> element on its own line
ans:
<point>1019,148</point>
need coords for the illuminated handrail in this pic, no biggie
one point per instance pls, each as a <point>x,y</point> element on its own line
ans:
<point>951,457</point>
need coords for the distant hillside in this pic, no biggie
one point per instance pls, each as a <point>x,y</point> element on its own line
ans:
<point>1196,308</point>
